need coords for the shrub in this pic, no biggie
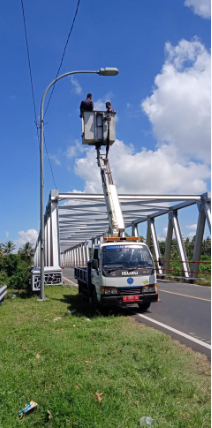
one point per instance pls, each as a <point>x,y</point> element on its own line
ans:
<point>14,272</point>
<point>11,263</point>
<point>4,280</point>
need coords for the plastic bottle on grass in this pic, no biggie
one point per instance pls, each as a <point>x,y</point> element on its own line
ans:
<point>146,421</point>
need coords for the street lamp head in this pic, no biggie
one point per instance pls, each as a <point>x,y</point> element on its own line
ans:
<point>108,71</point>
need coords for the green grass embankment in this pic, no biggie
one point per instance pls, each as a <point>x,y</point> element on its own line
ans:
<point>62,365</point>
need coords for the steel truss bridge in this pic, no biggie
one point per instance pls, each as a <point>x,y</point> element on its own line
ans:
<point>75,221</point>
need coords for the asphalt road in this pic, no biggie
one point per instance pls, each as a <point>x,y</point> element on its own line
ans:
<point>183,312</point>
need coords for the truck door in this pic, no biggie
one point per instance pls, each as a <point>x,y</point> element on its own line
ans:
<point>95,272</point>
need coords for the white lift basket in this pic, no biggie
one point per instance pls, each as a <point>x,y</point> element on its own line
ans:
<point>97,127</point>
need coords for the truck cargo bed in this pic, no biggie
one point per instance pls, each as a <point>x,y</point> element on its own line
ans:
<point>81,274</point>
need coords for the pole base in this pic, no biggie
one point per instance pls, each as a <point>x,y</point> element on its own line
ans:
<point>42,300</point>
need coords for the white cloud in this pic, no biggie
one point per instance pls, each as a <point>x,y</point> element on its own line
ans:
<point>77,89</point>
<point>55,159</point>
<point>179,107</point>
<point>147,171</point>
<point>200,7</point>
<point>192,226</point>
<point>179,110</point>
<point>7,234</point>
<point>163,234</point>
<point>190,235</point>
<point>100,103</point>
<point>75,149</point>
<point>29,236</point>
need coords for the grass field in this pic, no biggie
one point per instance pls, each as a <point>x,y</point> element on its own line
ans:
<point>61,365</point>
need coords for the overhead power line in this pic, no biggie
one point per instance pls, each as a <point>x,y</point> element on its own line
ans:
<point>32,88</point>
<point>29,63</point>
<point>63,55</point>
<point>50,162</point>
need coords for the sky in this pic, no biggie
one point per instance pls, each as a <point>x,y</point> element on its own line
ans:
<point>161,96</point>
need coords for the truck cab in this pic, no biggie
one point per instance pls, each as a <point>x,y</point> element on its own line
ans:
<point>122,273</point>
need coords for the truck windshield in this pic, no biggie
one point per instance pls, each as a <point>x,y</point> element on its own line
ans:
<point>126,256</point>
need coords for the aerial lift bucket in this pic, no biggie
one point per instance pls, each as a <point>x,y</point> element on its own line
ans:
<point>98,127</point>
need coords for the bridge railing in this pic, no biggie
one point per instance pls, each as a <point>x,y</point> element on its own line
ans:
<point>193,273</point>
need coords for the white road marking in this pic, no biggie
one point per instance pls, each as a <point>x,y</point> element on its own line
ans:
<point>180,333</point>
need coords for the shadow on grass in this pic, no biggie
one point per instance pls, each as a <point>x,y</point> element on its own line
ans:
<point>22,294</point>
<point>82,307</point>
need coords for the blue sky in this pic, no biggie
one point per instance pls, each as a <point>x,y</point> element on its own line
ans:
<point>162,51</point>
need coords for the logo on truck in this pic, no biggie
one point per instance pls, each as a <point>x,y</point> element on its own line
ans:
<point>130,280</point>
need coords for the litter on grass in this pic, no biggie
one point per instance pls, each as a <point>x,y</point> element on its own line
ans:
<point>66,315</point>
<point>28,407</point>
<point>98,396</point>
<point>146,421</point>
<point>87,319</point>
<point>49,414</point>
<point>57,319</point>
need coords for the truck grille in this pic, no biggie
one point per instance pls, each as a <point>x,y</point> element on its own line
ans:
<point>129,291</point>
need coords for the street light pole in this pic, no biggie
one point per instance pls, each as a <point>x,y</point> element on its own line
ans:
<point>102,72</point>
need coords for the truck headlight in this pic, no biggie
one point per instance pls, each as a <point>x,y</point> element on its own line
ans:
<point>149,289</point>
<point>110,290</point>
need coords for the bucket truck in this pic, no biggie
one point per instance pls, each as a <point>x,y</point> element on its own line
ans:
<point>121,270</point>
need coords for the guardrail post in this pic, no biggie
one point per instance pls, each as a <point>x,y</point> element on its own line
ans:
<point>87,252</point>
<point>82,254</point>
<point>75,256</point>
<point>134,229</point>
<point>148,235</point>
<point>151,223</point>
<point>180,244</point>
<point>168,245</point>
<point>198,240</point>
<point>49,241</point>
<point>55,228</point>
<point>45,243</point>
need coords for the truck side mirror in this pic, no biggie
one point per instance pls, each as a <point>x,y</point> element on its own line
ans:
<point>161,261</point>
<point>95,264</point>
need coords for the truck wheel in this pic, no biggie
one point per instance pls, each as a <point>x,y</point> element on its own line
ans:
<point>144,306</point>
<point>93,299</point>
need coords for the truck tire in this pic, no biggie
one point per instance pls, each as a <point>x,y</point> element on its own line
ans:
<point>93,299</point>
<point>144,306</point>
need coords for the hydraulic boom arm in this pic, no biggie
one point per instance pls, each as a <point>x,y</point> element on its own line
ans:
<point>115,217</point>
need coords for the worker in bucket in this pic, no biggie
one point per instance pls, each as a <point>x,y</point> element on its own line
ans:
<point>109,107</point>
<point>86,105</point>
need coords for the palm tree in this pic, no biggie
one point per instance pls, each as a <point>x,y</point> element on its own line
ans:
<point>1,249</point>
<point>9,247</point>
<point>27,252</point>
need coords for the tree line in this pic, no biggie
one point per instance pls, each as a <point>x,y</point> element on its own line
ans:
<point>15,269</point>
<point>176,268</point>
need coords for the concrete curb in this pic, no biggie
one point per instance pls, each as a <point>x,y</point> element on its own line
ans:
<point>70,282</point>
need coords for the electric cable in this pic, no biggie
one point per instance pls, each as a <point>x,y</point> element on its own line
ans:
<point>33,92</point>
<point>63,54</point>
<point>49,161</point>
<point>29,63</point>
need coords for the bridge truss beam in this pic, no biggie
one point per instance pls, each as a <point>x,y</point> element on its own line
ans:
<point>75,222</point>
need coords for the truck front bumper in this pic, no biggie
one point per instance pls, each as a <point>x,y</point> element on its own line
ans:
<point>118,300</point>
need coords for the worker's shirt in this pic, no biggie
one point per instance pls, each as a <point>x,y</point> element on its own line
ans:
<point>86,105</point>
